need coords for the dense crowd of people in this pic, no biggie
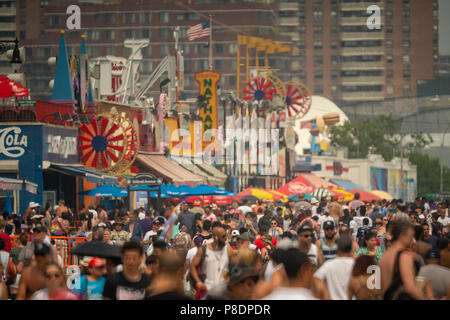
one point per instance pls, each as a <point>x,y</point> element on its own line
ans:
<point>302,249</point>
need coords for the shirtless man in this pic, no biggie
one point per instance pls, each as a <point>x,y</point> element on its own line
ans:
<point>32,278</point>
<point>335,210</point>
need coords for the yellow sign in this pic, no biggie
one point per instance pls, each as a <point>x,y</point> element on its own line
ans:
<point>207,81</point>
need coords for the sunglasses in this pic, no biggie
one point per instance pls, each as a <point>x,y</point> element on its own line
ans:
<point>52,275</point>
<point>306,235</point>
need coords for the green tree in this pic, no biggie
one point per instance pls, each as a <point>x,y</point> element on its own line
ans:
<point>428,174</point>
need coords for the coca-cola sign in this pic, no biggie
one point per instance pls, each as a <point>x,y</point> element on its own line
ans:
<point>12,142</point>
<point>299,187</point>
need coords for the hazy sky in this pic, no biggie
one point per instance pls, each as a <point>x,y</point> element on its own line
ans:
<point>444,26</point>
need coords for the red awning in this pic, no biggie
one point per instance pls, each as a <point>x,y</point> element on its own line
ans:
<point>298,185</point>
<point>9,87</point>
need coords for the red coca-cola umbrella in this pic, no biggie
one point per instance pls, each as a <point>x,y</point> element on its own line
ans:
<point>8,88</point>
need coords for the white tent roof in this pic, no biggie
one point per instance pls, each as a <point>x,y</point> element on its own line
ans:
<point>319,107</point>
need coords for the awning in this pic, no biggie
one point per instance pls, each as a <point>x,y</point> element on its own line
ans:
<point>196,170</point>
<point>159,165</point>
<point>316,181</point>
<point>79,171</point>
<point>9,165</point>
<point>16,184</point>
<point>346,184</point>
<point>213,171</point>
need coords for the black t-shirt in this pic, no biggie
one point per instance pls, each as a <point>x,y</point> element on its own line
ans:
<point>117,287</point>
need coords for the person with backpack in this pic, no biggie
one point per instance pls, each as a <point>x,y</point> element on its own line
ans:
<point>213,259</point>
<point>182,240</point>
<point>361,231</point>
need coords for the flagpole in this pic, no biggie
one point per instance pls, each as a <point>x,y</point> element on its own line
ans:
<point>210,44</point>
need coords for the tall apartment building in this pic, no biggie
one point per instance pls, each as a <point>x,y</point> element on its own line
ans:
<point>7,30</point>
<point>346,62</point>
<point>107,23</point>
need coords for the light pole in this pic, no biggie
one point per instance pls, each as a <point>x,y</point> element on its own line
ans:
<point>16,62</point>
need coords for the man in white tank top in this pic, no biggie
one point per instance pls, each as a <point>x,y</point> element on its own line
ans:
<point>216,260</point>
<point>304,234</point>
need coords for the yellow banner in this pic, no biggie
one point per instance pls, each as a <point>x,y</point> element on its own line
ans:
<point>207,81</point>
<point>172,124</point>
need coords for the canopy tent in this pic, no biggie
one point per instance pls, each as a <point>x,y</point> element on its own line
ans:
<point>317,182</point>
<point>298,185</point>
<point>321,193</point>
<point>277,195</point>
<point>91,175</point>
<point>346,184</point>
<point>382,194</point>
<point>8,88</point>
<point>159,165</point>
<point>365,196</point>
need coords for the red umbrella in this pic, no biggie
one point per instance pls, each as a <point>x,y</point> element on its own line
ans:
<point>365,196</point>
<point>205,200</point>
<point>298,185</point>
<point>8,88</point>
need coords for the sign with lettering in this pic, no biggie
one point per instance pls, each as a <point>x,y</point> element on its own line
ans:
<point>60,144</point>
<point>144,179</point>
<point>207,81</point>
<point>12,142</point>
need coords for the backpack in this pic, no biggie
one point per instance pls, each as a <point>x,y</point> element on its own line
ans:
<point>56,228</point>
<point>180,241</point>
<point>360,235</point>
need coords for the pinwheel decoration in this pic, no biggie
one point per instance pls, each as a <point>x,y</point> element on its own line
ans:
<point>258,89</point>
<point>102,143</point>
<point>298,99</point>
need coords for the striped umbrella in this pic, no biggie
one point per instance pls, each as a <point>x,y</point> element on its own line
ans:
<point>258,193</point>
<point>277,195</point>
<point>321,193</point>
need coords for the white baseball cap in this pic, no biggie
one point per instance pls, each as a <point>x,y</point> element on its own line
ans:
<point>235,233</point>
<point>314,200</point>
<point>421,216</point>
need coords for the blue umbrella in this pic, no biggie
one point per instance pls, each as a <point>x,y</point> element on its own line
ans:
<point>106,191</point>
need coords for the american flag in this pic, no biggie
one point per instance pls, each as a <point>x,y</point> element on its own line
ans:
<point>199,31</point>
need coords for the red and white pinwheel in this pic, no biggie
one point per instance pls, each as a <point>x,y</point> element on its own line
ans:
<point>258,89</point>
<point>298,99</point>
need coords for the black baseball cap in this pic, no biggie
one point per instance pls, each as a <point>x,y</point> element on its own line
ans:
<point>303,228</point>
<point>328,225</point>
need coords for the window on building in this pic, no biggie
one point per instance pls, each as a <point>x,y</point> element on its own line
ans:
<point>164,33</point>
<point>389,44</point>
<point>318,29</point>
<point>389,28</point>
<point>219,64</point>
<point>232,48</point>
<point>390,89</point>
<point>406,74</point>
<point>388,15</point>
<point>318,60</point>
<point>406,44</point>
<point>405,28</point>
<point>334,74</point>
<point>389,73</point>
<point>110,35</point>
<point>406,89</point>
<point>318,89</point>
<point>318,74</point>
<point>334,60</point>
<point>333,44</point>
<point>406,60</point>
<point>302,29</point>
<point>219,48</point>
<point>405,14</point>
<point>93,35</point>
<point>232,80</point>
<point>435,14</point>
<point>110,18</point>
<point>163,17</point>
<point>302,60</point>
<point>55,21</point>
<point>145,17</point>
<point>147,51</point>
<point>164,49</point>
<point>333,30</point>
<point>146,33</point>
<point>128,18</point>
<point>233,65</point>
<point>301,44</point>
<point>110,51</point>
<point>146,66</point>
<point>333,15</point>
<point>317,15</point>
<point>318,44</point>
<point>128,34</point>
<point>389,58</point>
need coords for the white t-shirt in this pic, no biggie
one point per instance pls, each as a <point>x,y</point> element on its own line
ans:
<point>336,273</point>
<point>444,222</point>
<point>94,213</point>
<point>212,217</point>
<point>354,226</point>
<point>191,254</point>
<point>287,293</point>
<point>141,215</point>
<point>149,234</point>
<point>245,209</point>
<point>4,258</point>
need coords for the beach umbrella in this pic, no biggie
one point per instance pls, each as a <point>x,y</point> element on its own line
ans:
<point>249,198</point>
<point>365,195</point>
<point>295,198</point>
<point>321,193</point>
<point>256,192</point>
<point>382,194</point>
<point>342,194</point>
<point>8,88</point>
<point>106,191</point>
<point>97,248</point>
